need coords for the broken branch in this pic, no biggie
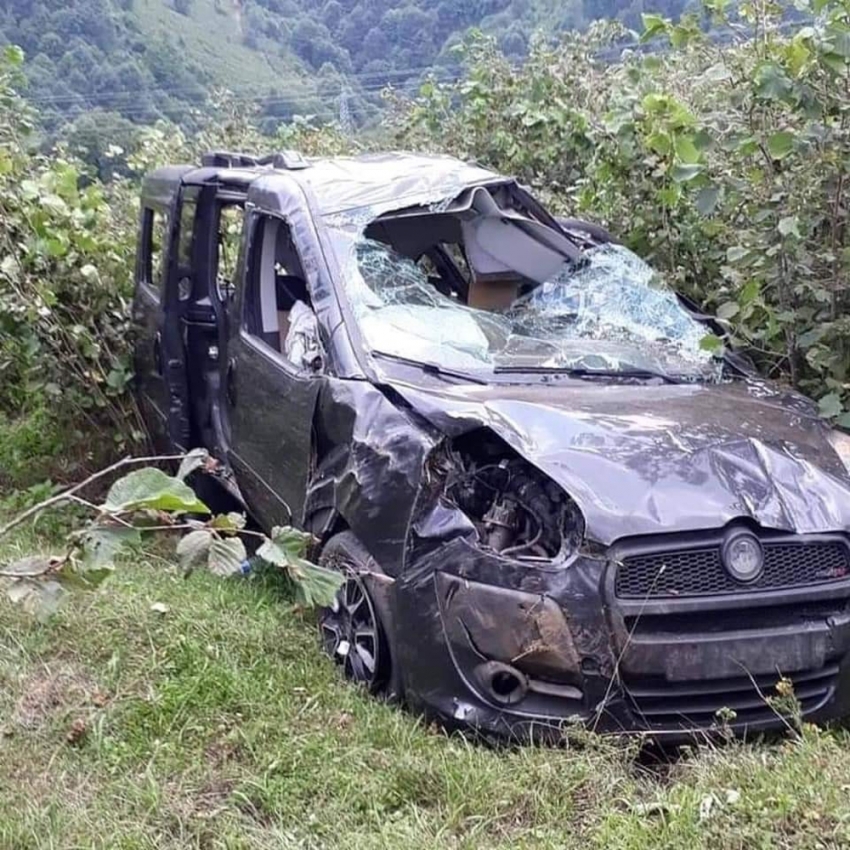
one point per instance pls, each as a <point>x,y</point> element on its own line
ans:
<point>67,495</point>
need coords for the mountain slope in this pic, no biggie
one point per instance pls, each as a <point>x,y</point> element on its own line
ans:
<point>145,59</point>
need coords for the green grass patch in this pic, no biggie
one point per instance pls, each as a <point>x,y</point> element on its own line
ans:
<point>218,724</point>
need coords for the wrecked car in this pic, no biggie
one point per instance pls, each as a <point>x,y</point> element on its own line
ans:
<point>552,500</point>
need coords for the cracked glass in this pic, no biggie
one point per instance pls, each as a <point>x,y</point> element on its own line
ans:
<point>609,312</point>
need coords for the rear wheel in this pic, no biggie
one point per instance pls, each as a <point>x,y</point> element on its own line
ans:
<point>351,629</point>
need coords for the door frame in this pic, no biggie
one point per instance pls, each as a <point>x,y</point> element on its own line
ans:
<point>269,500</point>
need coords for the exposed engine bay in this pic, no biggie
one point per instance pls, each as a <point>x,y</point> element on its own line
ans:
<point>517,511</point>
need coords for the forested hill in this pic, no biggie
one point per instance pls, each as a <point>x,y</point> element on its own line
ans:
<point>145,59</point>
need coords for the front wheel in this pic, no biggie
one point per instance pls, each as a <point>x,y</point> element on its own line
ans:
<point>351,629</point>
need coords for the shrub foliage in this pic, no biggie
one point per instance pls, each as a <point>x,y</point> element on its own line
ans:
<point>65,276</point>
<point>724,161</point>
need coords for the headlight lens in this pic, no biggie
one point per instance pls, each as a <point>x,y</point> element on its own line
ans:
<point>841,443</point>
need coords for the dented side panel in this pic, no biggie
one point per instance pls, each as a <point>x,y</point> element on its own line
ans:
<point>369,467</point>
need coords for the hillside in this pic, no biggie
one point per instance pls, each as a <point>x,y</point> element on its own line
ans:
<point>142,59</point>
<point>147,59</point>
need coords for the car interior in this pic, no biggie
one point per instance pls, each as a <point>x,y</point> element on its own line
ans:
<point>277,282</point>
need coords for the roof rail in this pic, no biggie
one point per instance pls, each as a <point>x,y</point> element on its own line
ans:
<point>228,159</point>
<point>288,160</point>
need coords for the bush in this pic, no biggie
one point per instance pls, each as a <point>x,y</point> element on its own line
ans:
<point>66,271</point>
<point>65,278</point>
<point>726,164</point>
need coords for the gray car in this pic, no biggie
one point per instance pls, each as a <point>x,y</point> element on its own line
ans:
<point>556,494</point>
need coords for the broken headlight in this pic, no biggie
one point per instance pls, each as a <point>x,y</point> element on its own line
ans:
<point>517,511</point>
<point>841,443</point>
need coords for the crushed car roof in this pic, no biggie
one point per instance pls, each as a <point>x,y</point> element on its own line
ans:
<point>342,184</point>
<point>374,180</point>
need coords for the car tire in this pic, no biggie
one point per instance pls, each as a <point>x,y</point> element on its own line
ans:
<point>353,632</point>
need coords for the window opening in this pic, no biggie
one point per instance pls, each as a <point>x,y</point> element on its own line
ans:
<point>278,310</point>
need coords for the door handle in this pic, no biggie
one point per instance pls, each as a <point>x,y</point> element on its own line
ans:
<point>230,382</point>
<point>157,353</point>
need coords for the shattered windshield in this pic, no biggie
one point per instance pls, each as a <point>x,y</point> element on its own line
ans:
<point>498,301</point>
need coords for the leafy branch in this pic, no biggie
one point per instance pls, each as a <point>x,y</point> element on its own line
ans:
<point>147,501</point>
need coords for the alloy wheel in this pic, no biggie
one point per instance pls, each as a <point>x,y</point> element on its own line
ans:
<point>350,635</point>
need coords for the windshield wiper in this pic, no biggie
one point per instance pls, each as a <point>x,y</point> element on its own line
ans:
<point>580,372</point>
<point>431,368</point>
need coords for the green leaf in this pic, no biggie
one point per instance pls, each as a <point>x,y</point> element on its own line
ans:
<point>152,489</point>
<point>653,25</point>
<point>789,226</point>
<point>196,459</point>
<point>14,55</point>
<point>728,310</point>
<point>840,39</point>
<point>711,343</point>
<point>686,150</point>
<point>706,200</point>
<point>193,549</point>
<point>749,292</point>
<point>315,586</point>
<point>685,173</point>
<point>117,379</point>
<point>835,61</point>
<point>772,83</point>
<point>844,420</point>
<point>660,143</point>
<point>831,406</point>
<point>797,55</point>
<point>780,144</point>
<point>101,543</point>
<point>232,522</point>
<point>736,253</point>
<point>285,546</point>
<point>226,556</point>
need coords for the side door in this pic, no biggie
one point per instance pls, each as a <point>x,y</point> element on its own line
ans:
<point>148,315</point>
<point>270,399</point>
<point>183,272</point>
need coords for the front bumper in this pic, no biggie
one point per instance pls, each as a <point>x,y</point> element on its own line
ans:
<point>673,668</point>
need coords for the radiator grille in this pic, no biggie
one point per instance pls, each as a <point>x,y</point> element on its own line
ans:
<point>700,572</point>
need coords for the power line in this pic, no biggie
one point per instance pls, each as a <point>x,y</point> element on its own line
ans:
<point>314,105</point>
<point>381,80</point>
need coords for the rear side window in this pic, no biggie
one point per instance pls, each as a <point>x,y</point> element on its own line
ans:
<point>154,230</point>
<point>188,210</point>
<point>230,220</point>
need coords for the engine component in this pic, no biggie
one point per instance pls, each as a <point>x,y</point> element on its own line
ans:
<point>517,510</point>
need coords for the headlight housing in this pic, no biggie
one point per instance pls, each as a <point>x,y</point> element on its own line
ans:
<point>841,443</point>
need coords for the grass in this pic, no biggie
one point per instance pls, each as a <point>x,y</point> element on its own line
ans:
<point>218,724</point>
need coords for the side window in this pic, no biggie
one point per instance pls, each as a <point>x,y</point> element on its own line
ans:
<point>230,220</point>
<point>278,310</point>
<point>154,233</point>
<point>188,211</point>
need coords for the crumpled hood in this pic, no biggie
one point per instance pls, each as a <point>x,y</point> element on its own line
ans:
<point>643,459</point>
